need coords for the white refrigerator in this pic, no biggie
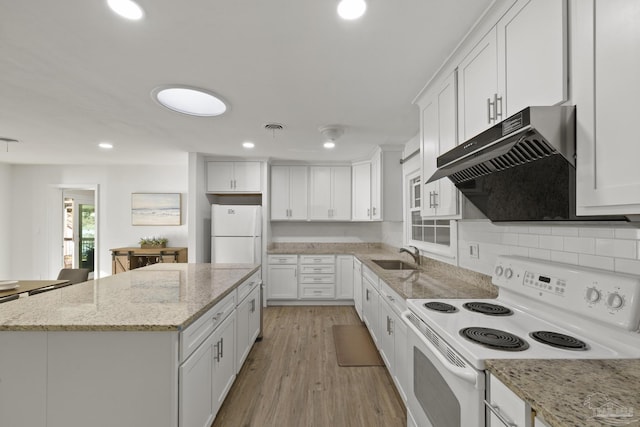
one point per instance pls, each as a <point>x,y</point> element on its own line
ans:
<point>236,234</point>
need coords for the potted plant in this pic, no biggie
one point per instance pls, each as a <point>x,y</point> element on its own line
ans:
<point>153,242</point>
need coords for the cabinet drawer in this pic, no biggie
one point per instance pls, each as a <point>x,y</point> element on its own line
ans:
<point>370,276</point>
<point>283,259</point>
<point>317,278</point>
<point>247,286</point>
<point>507,404</point>
<point>196,333</point>
<point>317,259</point>
<point>396,302</point>
<point>317,291</point>
<point>317,269</point>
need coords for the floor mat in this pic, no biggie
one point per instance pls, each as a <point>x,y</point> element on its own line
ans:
<point>354,346</point>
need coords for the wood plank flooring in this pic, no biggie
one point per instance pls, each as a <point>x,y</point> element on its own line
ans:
<point>292,379</point>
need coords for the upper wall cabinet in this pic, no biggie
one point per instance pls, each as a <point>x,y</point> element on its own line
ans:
<point>330,193</point>
<point>606,66</point>
<point>233,177</point>
<point>361,200</point>
<point>438,135</point>
<point>289,193</point>
<point>522,61</point>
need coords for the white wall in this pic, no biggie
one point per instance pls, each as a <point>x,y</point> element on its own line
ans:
<point>5,220</point>
<point>606,246</point>
<point>37,214</point>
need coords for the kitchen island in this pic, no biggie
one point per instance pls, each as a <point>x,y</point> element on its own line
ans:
<point>120,350</point>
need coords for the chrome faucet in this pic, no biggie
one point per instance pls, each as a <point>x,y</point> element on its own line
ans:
<point>415,253</point>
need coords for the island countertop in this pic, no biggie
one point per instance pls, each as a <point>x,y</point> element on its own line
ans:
<point>160,297</point>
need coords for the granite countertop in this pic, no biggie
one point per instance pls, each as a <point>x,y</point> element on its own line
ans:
<point>160,297</point>
<point>433,279</point>
<point>572,393</point>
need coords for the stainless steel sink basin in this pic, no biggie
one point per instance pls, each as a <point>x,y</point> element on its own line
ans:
<point>392,264</point>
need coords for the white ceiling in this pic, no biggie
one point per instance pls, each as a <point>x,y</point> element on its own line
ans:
<point>73,74</point>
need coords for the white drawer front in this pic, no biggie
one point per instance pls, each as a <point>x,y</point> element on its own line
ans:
<point>398,303</point>
<point>320,278</point>
<point>317,291</point>
<point>198,331</point>
<point>317,259</point>
<point>283,259</point>
<point>247,286</point>
<point>317,269</point>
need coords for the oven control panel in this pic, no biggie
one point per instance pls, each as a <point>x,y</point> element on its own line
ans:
<point>611,297</point>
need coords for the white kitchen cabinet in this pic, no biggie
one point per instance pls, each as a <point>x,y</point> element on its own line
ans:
<point>370,309</point>
<point>394,333</point>
<point>479,106</point>
<point>605,69</point>
<point>386,344</point>
<point>376,186</point>
<point>361,180</point>
<point>289,193</point>
<point>248,325</point>
<point>23,372</point>
<point>196,387</point>
<point>503,407</point>
<point>344,277</point>
<point>532,64</point>
<point>224,358</point>
<point>317,279</point>
<point>283,277</point>
<point>357,286</point>
<point>233,177</point>
<point>440,199</point>
<point>330,193</point>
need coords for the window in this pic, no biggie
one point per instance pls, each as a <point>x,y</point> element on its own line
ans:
<point>432,235</point>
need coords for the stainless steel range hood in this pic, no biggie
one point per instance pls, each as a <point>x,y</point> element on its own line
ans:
<point>521,169</point>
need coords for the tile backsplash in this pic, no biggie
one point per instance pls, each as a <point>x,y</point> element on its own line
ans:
<point>607,247</point>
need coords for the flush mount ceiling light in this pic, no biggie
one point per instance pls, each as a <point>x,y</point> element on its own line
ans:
<point>331,133</point>
<point>248,144</point>
<point>105,145</point>
<point>190,100</point>
<point>126,8</point>
<point>351,9</point>
<point>329,145</point>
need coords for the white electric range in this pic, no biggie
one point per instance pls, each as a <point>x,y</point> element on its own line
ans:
<point>544,310</point>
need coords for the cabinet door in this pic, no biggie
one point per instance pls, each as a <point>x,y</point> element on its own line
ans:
<point>341,193</point>
<point>196,387</point>
<point>254,316</point>
<point>605,72</point>
<point>283,282</point>
<point>357,286</point>
<point>361,176</point>
<point>224,359</point>
<point>370,298</point>
<point>344,277</point>
<point>247,177</point>
<point>280,192</point>
<point>401,360</point>
<point>243,344</point>
<point>386,344</point>
<point>376,186</point>
<point>298,199</point>
<point>532,70</point>
<point>478,86</point>
<point>320,192</point>
<point>219,176</point>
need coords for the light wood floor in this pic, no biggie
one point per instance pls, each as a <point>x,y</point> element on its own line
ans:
<point>292,379</point>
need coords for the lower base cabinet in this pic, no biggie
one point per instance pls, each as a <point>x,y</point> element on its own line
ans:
<point>248,325</point>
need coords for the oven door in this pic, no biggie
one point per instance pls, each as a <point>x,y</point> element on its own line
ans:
<point>443,391</point>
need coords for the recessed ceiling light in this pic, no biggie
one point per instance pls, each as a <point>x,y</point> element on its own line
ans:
<point>106,145</point>
<point>329,144</point>
<point>248,144</point>
<point>126,8</point>
<point>190,100</point>
<point>351,9</point>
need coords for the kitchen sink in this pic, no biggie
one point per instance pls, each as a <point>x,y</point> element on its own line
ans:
<point>392,264</point>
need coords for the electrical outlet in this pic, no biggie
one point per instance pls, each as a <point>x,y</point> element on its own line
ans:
<point>474,250</point>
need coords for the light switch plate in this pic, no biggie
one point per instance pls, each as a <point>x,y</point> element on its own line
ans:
<point>474,250</point>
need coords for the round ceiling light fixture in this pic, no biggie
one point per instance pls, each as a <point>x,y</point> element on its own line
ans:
<point>329,145</point>
<point>190,100</point>
<point>331,133</point>
<point>248,145</point>
<point>351,9</point>
<point>127,9</point>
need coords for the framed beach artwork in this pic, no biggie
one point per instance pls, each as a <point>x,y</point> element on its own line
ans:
<point>155,209</point>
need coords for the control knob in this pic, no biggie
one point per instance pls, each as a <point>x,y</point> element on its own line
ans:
<point>508,273</point>
<point>499,270</point>
<point>593,295</point>
<point>615,301</point>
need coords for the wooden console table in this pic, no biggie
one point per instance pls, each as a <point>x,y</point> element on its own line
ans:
<point>125,259</point>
